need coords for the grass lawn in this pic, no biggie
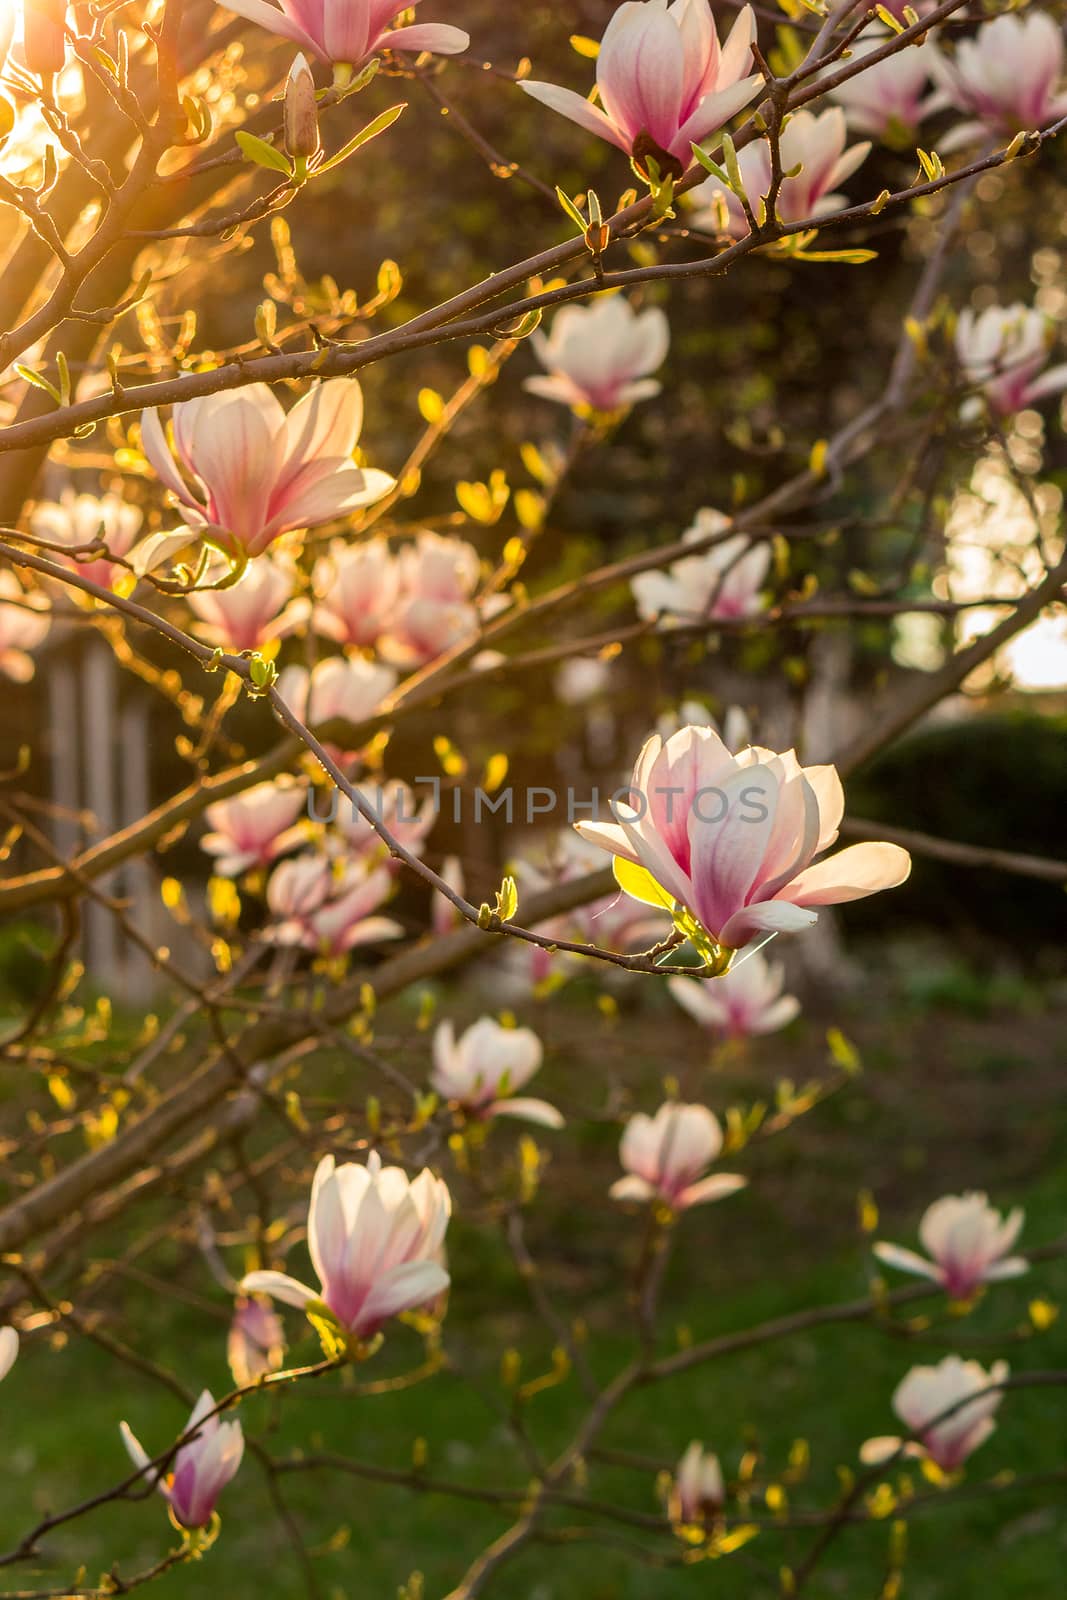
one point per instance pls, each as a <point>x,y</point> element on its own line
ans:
<point>951,1097</point>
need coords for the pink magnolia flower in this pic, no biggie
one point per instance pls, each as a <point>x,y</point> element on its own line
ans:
<point>1008,77</point>
<point>437,577</point>
<point>329,914</point>
<point>80,520</point>
<point>256,472</point>
<point>9,1349</point>
<point>815,144</point>
<point>722,583</point>
<point>664,82</point>
<point>202,1467</point>
<point>479,1070</point>
<point>393,804</point>
<point>733,838</point>
<point>598,357</point>
<point>890,98</point>
<point>666,1155</point>
<point>254,828</point>
<point>746,1001</point>
<point>257,610</point>
<point>699,1492</point>
<point>349,30</point>
<point>338,687</point>
<point>925,1394</point>
<point>356,588</point>
<point>375,1237</point>
<point>1003,350</point>
<point>255,1344</point>
<point>24,623</point>
<point>968,1243</point>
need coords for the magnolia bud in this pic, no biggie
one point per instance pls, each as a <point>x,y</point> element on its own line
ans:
<point>44,42</point>
<point>301,112</point>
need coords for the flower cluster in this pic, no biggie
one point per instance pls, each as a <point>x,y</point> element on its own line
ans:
<point>410,606</point>
<point>719,584</point>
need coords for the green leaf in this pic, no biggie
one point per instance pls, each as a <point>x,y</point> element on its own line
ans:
<point>568,205</point>
<point>262,153</point>
<point>364,135</point>
<point>507,900</point>
<point>639,884</point>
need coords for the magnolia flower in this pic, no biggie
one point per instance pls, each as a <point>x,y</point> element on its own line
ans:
<point>925,1394</point>
<point>599,356</point>
<point>733,838</point>
<point>581,679</point>
<point>80,520</point>
<point>257,610</point>
<point>663,80</point>
<point>1002,350</point>
<point>436,577</point>
<point>665,1156</point>
<point>24,622</point>
<point>315,909</point>
<point>349,31</point>
<point>257,472</point>
<point>202,1467</point>
<point>356,588</point>
<point>254,828</point>
<point>374,1236</point>
<point>889,98</point>
<point>815,144</point>
<point>721,584</point>
<point>698,1492</point>
<point>9,1349</point>
<point>255,1344</point>
<point>747,1000</point>
<point>479,1070</point>
<point>1007,77</point>
<point>968,1242</point>
<point>393,804</point>
<point>338,687</point>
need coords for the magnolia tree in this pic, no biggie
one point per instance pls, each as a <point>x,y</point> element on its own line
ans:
<point>296,1129</point>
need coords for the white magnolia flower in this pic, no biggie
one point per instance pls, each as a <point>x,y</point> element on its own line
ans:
<point>24,623</point>
<point>9,1349</point>
<point>480,1070</point>
<point>746,1001</point>
<point>968,1242</point>
<point>699,1491</point>
<point>721,583</point>
<point>666,1155</point>
<point>934,1403</point>
<point>599,357</point>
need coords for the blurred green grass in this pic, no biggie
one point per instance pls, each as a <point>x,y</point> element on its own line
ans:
<point>947,1100</point>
